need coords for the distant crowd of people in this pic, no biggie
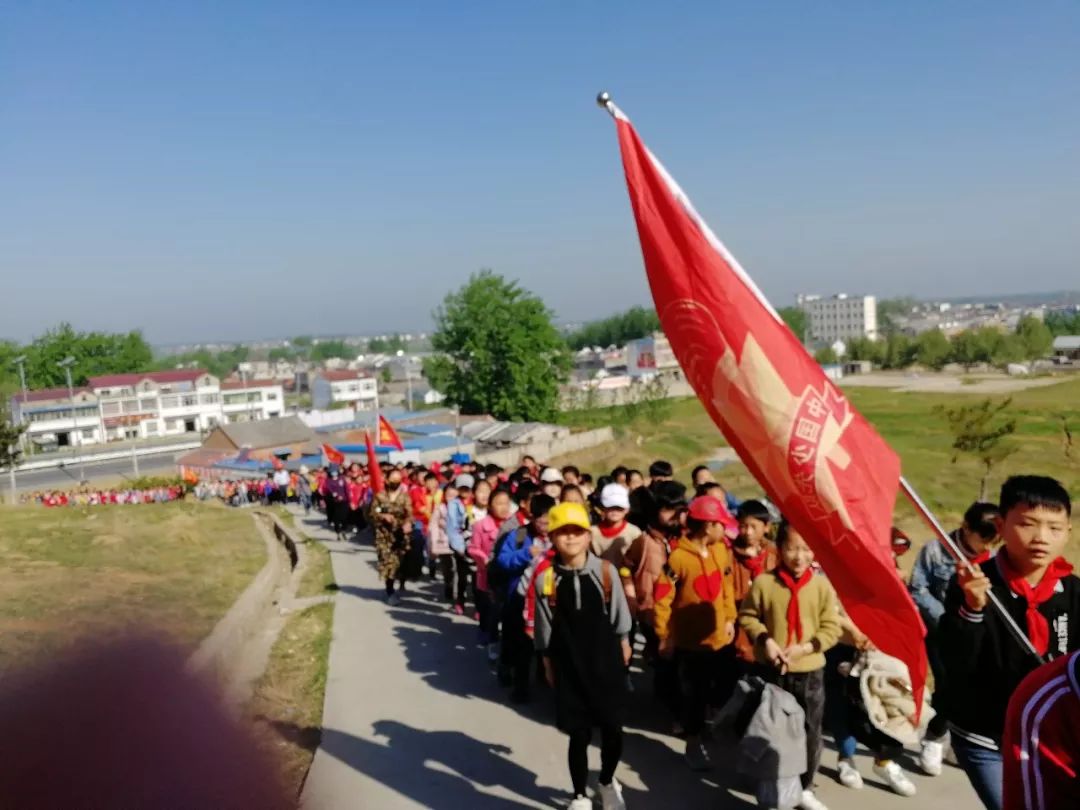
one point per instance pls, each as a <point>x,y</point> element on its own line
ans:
<point>100,497</point>
<point>740,626</point>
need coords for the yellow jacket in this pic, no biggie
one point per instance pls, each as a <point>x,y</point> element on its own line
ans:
<point>695,597</point>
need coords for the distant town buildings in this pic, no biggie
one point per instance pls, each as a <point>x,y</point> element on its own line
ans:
<point>340,387</point>
<point>146,405</point>
<point>839,317</point>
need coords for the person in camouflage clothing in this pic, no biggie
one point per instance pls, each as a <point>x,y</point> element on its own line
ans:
<point>390,515</point>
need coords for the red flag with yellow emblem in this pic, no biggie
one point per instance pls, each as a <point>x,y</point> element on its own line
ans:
<point>830,473</point>
<point>387,435</point>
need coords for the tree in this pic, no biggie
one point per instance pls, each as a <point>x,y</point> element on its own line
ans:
<point>497,351</point>
<point>887,311</point>
<point>636,322</point>
<point>302,341</point>
<point>1063,323</point>
<point>328,349</point>
<point>826,356</point>
<point>863,348</point>
<point>94,352</point>
<point>899,351</point>
<point>389,345</point>
<point>10,436</point>
<point>981,430</point>
<point>1035,337</point>
<point>932,349</point>
<point>795,318</point>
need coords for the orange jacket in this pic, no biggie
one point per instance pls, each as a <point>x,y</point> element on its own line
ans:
<point>694,597</point>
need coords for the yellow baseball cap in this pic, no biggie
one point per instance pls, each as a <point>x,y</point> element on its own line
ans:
<point>568,514</point>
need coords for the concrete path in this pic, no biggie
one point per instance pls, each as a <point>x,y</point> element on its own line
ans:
<point>414,719</point>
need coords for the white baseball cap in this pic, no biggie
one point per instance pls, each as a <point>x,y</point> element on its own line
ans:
<point>551,475</point>
<point>615,496</point>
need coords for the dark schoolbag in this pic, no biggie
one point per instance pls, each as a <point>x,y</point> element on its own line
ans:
<point>498,577</point>
<point>550,588</point>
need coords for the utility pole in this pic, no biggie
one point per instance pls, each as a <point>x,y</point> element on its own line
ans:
<point>20,361</point>
<point>66,364</point>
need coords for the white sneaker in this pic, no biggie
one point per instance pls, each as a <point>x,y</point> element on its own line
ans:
<point>893,776</point>
<point>849,775</point>
<point>809,801</point>
<point>581,803</point>
<point>611,796</point>
<point>931,756</point>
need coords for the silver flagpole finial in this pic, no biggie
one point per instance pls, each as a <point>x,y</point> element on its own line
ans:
<point>603,99</point>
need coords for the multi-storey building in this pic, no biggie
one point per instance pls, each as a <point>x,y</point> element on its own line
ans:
<point>353,388</point>
<point>838,317</point>
<point>144,405</point>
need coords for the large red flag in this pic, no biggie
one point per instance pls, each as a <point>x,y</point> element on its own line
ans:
<point>834,478</point>
<point>333,455</point>
<point>387,435</point>
<point>374,470</point>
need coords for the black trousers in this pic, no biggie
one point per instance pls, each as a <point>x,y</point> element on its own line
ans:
<point>455,574</point>
<point>516,652</point>
<point>706,678</point>
<point>808,689</point>
<point>611,744</point>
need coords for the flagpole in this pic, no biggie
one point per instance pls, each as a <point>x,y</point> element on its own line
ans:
<point>962,559</point>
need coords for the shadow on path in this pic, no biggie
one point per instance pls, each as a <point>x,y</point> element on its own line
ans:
<point>438,768</point>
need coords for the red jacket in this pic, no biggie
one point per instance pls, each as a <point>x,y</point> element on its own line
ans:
<point>1041,747</point>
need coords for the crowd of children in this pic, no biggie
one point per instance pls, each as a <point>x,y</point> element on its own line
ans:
<point>101,497</point>
<point>562,575</point>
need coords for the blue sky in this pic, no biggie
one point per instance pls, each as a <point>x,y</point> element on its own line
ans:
<point>247,169</point>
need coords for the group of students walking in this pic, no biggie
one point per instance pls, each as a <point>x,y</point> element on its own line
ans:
<point>563,576</point>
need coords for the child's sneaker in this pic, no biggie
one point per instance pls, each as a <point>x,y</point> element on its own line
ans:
<point>893,776</point>
<point>581,803</point>
<point>459,610</point>
<point>493,651</point>
<point>931,756</point>
<point>808,801</point>
<point>697,757</point>
<point>849,775</point>
<point>611,797</point>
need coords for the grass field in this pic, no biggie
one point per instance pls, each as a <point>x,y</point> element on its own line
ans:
<point>173,569</point>
<point>288,699</point>
<point>909,423</point>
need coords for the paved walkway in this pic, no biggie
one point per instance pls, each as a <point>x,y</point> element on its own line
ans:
<point>414,719</point>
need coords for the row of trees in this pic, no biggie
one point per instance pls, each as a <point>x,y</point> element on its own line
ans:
<point>636,322</point>
<point>1031,341</point>
<point>95,353</point>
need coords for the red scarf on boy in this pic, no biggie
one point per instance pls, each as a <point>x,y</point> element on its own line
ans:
<point>794,618</point>
<point>1038,628</point>
<point>611,531</point>
<point>755,564</point>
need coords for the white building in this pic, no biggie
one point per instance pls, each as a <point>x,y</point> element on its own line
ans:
<point>136,406</point>
<point>357,390</point>
<point>839,317</point>
<point>251,400</point>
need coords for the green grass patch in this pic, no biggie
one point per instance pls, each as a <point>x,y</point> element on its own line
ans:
<point>288,700</point>
<point>171,569</point>
<point>318,576</point>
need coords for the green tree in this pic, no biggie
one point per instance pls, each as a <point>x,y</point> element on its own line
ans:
<point>302,341</point>
<point>826,356</point>
<point>1063,323</point>
<point>94,352</point>
<point>1035,337</point>
<point>281,353</point>
<point>795,318</point>
<point>932,349</point>
<point>899,351</point>
<point>497,351</point>
<point>888,309</point>
<point>636,322</point>
<point>982,431</point>
<point>329,349</point>
<point>863,348</point>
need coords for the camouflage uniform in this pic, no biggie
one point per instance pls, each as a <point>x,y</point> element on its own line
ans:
<point>391,541</point>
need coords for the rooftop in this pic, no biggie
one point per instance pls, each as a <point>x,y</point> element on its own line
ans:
<point>175,375</point>
<point>47,394</point>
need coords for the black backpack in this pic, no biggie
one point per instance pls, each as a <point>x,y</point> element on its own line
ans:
<point>498,577</point>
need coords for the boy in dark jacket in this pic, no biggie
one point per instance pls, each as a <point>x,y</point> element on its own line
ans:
<point>581,622</point>
<point>984,662</point>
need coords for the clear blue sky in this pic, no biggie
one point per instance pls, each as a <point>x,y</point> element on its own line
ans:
<point>236,170</point>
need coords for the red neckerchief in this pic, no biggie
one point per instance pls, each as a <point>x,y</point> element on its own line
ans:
<point>1038,627</point>
<point>755,565</point>
<point>522,518</point>
<point>611,531</point>
<point>794,618</point>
